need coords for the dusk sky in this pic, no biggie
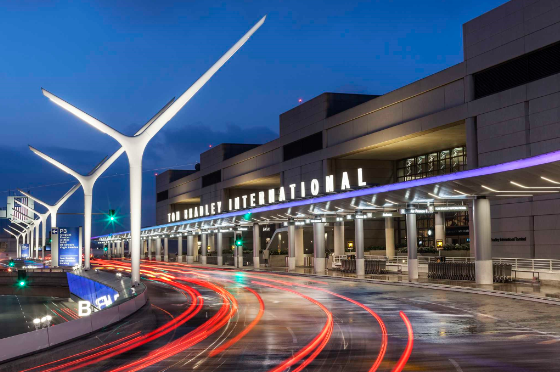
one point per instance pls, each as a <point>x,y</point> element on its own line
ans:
<point>121,62</point>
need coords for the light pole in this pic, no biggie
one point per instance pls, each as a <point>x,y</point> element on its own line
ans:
<point>33,226</point>
<point>17,240</point>
<point>28,227</point>
<point>88,181</point>
<point>43,217</point>
<point>135,145</point>
<point>53,209</point>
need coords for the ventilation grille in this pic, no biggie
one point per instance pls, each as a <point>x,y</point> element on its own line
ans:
<point>525,69</point>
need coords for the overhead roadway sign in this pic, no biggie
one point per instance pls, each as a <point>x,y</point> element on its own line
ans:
<point>451,208</point>
<point>417,211</point>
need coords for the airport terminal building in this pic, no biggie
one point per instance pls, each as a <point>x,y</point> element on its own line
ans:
<point>500,105</point>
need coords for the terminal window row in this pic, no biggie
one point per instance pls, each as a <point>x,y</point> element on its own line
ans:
<point>432,164</point>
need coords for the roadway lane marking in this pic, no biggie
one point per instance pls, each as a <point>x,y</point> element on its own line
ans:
<point>294,338</point>
<point>456,365</point>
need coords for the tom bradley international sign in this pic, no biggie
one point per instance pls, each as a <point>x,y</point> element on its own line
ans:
<point>260,198</point>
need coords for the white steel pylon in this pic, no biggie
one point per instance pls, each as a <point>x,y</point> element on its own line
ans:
<point>18,253</point>
<point>135,145</point>
<point>31,225</point>
<point>53,209</point>
<point>88,181</point>
<point>43,217</point>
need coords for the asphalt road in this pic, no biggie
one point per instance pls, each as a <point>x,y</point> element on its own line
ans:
<point>17,312</point>
<point>207,320</point>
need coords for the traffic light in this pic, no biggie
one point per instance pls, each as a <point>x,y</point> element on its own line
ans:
<point>105,248</point>
<point>12,263</point>
<point>112,215</point>
<point>22,278</point>
<point>239,242</point>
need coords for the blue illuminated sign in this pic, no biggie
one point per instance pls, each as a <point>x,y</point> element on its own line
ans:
<point>24,250</point>
<point>97,294</point>
<point>68,246</point>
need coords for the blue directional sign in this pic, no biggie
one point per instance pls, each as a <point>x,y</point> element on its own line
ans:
<point>68,246</point>
<point>24,250</point>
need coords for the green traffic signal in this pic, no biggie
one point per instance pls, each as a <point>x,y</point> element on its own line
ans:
<point>12,264</point>
<point>105,249</point>
<point>22,283</point>
<point>239,242</point>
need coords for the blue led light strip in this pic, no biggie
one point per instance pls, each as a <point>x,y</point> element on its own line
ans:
<point>550,157</point>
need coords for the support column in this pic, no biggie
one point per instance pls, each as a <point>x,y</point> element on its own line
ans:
<point>359,242</point>
<point>319,248</point>
<point>158,249</point>
<point>203,248</point>
<point>195,248</point>
<point>180,248</point>
<point>190,249</point>
<point>299,246</point>
<point>240,253</point>
<point>412,247</point>
<point>256,246</point>
<point>110,250</point>
<point>219,248</point>
<point>339,238</point>
<point>122,248</point>
<point>37,241</point>
<point>291,245</point>
<point>149,244</point>
<point>31,248</point>
<point>483,241</point>
<point>389,237</point>
<point>235,250</point>
<point>439,227</point>
<point>166,249</point>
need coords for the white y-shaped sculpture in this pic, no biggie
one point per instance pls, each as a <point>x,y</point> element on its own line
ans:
<point>43,217</point>
<point>87,182</point>
<point>18,253</point>
<point>135,145</point>
<point>53,209</point>
<point>24,232</point>
<point>31,225</point>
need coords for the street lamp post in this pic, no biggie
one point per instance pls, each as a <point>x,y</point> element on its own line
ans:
<point>17,240</point>
<point>135,145</point>
<point>43,217</point>
<point>28,226</point>
<point>53,210</point>
<point>88,181</point>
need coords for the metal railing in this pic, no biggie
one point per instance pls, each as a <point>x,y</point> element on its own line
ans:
<point>530,264</point>
<point>520,264</point>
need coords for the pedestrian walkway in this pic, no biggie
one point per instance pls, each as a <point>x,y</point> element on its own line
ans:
<point>548,290</point>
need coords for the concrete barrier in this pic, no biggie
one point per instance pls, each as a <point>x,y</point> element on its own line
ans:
<point>104,318</point>
<point>67,331</point>
<point>12,347</point>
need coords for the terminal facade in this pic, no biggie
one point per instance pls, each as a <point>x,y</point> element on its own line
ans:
<point>501,104</point>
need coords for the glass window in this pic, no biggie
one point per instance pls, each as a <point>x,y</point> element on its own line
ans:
<point>432,164</point>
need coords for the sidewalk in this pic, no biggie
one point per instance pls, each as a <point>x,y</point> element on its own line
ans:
<point>526,288</point>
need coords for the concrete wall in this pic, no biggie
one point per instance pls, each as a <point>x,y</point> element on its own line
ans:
<point>509,31</point>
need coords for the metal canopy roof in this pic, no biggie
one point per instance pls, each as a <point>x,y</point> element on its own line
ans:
<point>520,178</point>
